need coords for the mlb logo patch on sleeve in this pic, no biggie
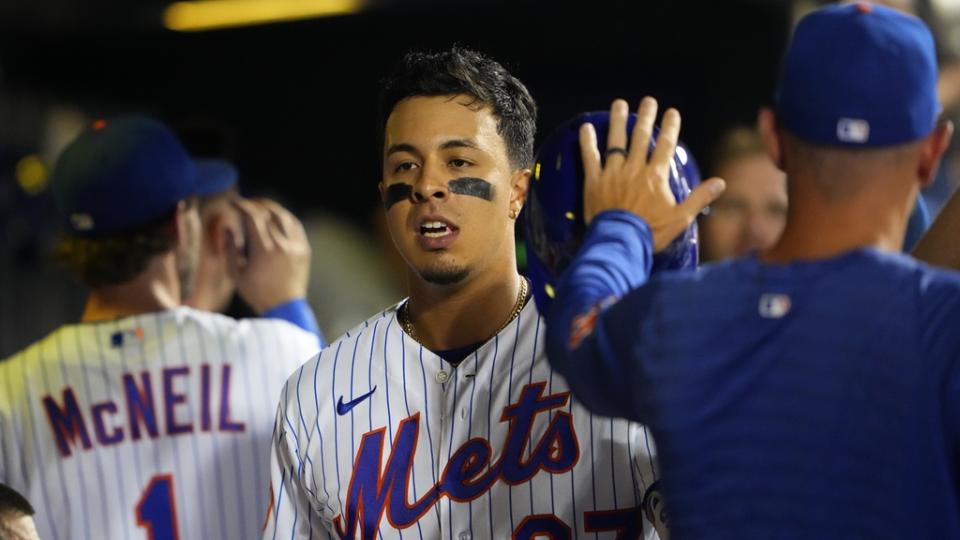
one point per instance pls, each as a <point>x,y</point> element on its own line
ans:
<point>119,338</point>
<point>583,324</point>
<point>774,306</point>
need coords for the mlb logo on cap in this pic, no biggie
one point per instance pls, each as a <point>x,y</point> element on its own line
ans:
<point>852,130</point>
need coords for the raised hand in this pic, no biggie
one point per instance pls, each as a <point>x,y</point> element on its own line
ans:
<point>629,181</point>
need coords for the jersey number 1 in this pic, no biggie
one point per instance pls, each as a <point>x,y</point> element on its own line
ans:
<point>156,510</point>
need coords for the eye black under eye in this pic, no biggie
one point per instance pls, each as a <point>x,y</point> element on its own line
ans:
<point>395,193</point>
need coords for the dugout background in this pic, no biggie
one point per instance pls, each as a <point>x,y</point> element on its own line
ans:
<point>294,106</point>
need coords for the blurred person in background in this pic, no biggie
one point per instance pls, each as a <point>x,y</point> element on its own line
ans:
<point>751,213</point>
<point>148,414</point>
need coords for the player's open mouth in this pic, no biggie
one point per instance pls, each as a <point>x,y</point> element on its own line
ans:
<point>436,229</point>
<point>435,233</point>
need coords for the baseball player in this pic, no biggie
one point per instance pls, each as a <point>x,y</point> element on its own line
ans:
<point>16,516</point>
<point>809,391</point>
<point>440,417</point>
<point>148,419</point>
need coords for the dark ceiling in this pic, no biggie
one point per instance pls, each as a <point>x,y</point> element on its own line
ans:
<point>295,104</point>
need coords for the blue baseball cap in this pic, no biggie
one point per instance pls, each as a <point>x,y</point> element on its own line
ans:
<point>859,75</point>
<point>119,174</point>
<point>214,176</point>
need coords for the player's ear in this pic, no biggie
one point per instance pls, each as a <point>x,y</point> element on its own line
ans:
<point>183,217</point>
<point>931,151</point>
<point>772,141</point>
<point>215,234</point>
<point>177,223</point>
<point>519,184</point>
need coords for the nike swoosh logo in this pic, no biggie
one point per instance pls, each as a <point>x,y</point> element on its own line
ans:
<point>344,408</point>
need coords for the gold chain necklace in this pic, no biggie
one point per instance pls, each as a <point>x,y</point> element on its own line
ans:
<point>407,323</point>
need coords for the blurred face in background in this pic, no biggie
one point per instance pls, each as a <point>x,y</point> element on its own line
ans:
<point>431,145</point>
<point>751,213</point>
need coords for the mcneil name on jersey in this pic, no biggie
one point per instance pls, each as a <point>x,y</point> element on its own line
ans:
<point>149,406</point>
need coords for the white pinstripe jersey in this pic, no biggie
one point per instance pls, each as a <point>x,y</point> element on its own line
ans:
<point>155,426</point>
<point>378,437</point>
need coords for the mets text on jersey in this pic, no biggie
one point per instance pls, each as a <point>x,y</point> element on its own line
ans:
<point>471,470</point>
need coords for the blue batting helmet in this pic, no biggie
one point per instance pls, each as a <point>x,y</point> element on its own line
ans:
<point>553,214</point>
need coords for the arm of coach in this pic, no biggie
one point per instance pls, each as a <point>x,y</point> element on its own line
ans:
<point>631,214</point>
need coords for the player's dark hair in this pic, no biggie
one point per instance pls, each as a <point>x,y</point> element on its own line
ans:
<point>737,143</point>
<point>11,501</point>
<point>117,258</point>
<point>463,71</point>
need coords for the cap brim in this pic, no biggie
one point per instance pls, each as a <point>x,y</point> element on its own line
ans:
<point>214,176</point>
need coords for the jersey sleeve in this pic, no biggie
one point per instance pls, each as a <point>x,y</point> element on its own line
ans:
<point>290,513</point>
<point>295,345</point>
<point>299,313</point>
<point>582,338</point>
